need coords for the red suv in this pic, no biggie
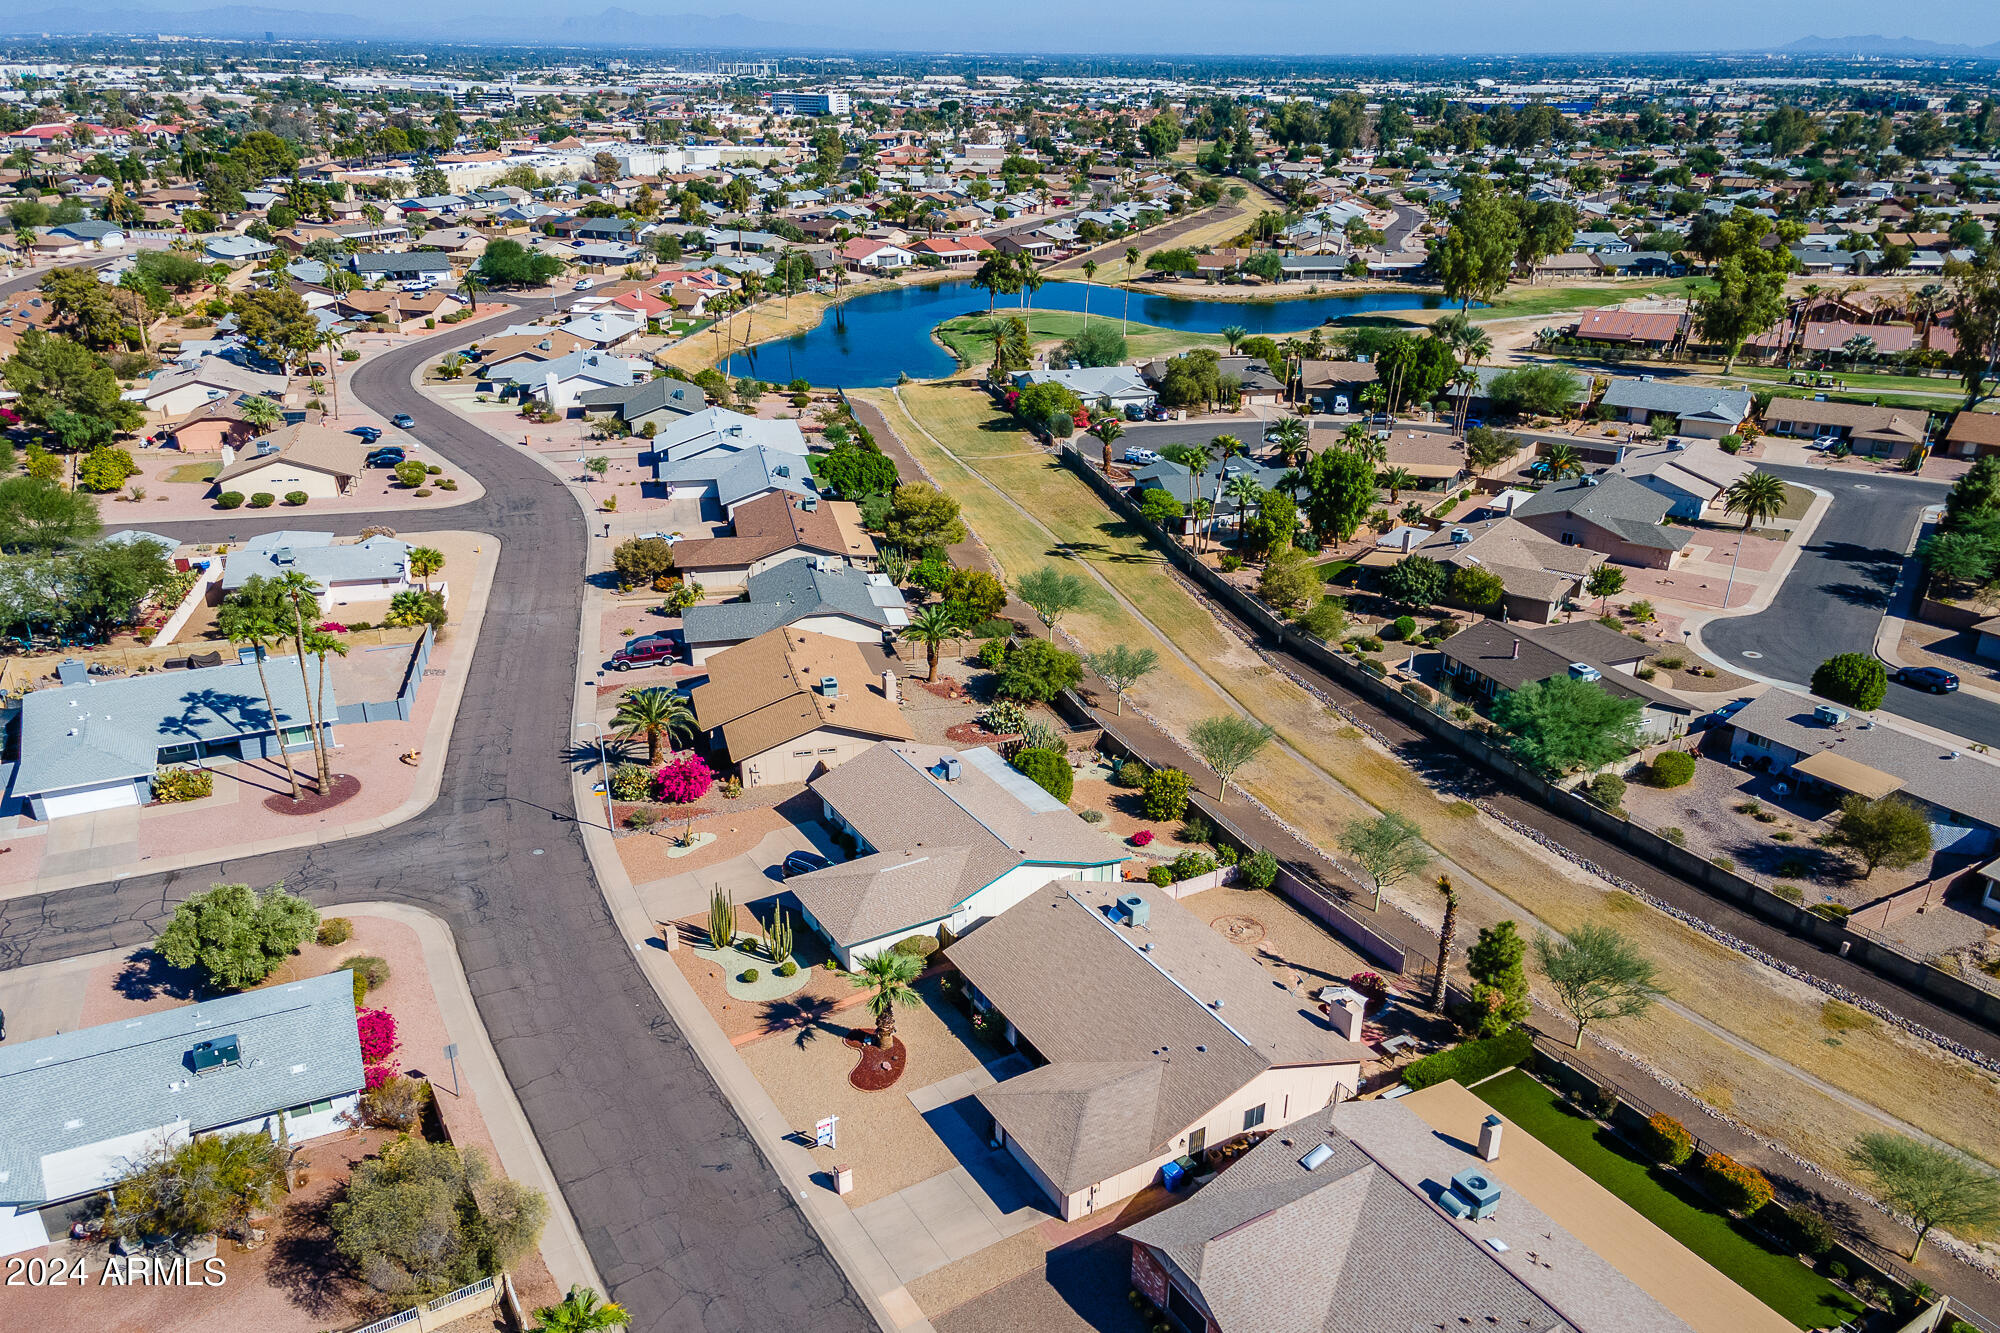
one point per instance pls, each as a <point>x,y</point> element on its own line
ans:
<point>642,652</point>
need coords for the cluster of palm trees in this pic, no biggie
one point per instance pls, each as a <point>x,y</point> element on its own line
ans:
<point>266,612</point>
<point>1006,273</point>
<point>1196,458</point>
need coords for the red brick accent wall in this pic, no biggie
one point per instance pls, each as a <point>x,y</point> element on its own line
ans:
<point>1148,1276</point>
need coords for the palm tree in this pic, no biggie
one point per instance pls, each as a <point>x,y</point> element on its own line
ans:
<point>424,562</point>
<point>1293,437</point>
<point>582,1311</point>
<point>1192,457</point>
<point>888,975</point>
<point>1294,352</point>
<point>302,594</point>
<point>1926,303</point>
<point>1107,429</point>
<point>1398,480</point>
<point>655,714</point>
<point>249,618</point>
<point>1131,272</point>
<point>1464,381</point>
<point>1243,491</point>
<point>319,643</point>
<point>1446,932</point>
<point>1222,448</point>
<point>1233,335</point>
<point>1562,460</point>
<point>994,272</point>
<point>1757,496</point>
<point>1029,274</point>
<point>934,626</point>
<point>1089,272</point>
<point>262,414</point>
<point>329,340</point>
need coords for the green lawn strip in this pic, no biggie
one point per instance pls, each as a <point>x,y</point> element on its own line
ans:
<point>194,472</point>
<point>1520,301</point>
<point>1731,1247</point>
<point>1781,377</point>
<point>1944,401</point>
<point>971,341</point>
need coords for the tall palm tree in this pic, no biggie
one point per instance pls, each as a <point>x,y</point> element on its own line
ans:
<point>1107,429</point>
<point>1031,278</point>
<point>1757,496</point>
<point>582,1311</point>
<point>249,618</point>
<point>1446,933</point>
<point>319,643</point>
<point>330,340</point>
<point>1192,457</point>
<point>1089,272</point>
<point>424,562</point>
<point>1926,304</point>
<point>1233,336</point>
<point>1222,448</point>
<point>1243,492</point>
<point>657,713</point>
<point>1293,438</point>
<point>1293,351</point>
<point>1463,381</point>
<point>301,596</point>
<point>1131,272</point>
<point>934,626</point>
<point>888,976</point>
<point>470,285</point>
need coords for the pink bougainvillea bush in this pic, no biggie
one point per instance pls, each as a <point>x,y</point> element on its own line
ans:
<point>378,1035</point>
<point>1142,837</point>
<point>380,1074</point>
<point>682,779</point>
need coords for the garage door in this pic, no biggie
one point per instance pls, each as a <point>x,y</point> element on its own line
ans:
<point>96,798</point>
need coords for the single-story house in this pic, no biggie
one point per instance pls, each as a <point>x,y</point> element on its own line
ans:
<point>284,1060</point>
<point>1425,1212</point>
<point>1631,328</point>
<point>94,743</point>
<point>878,255</point>
<point>1608,513</point>
<point>818,594</point>
<point>1696,409</point>
<point>318,460</point>
<point>1172,478</point>
<point>1538,576</point>
<point>790,704</point>
<point>1122,386</point>
<point>1695,477</point>
<point>943,838</point>
<point>1841,753</point>
<point>1482,404</point>
<point>713,429</point>
<point>733,477</point>
<point>1884,432</point>
<point>238,249</point>
<point>207,429</point>
<point>1323,382</point>
<point>656,402</point>
<point>406,266</point>
<point>561,384</point>
<point>1259,386</point>
<point>1972,434</point>
<point>1153,1038</point>
<point>179,390</point>
<point>513,351</point>
<point>1492,658</point>
<point>769,530</point>
<point>372,570</point>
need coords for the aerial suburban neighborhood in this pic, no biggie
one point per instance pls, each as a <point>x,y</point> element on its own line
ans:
<point>958,672</point>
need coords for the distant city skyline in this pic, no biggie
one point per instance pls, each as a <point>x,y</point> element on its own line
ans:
<point>1307,28</point>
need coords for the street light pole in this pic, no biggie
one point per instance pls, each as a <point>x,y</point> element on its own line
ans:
<point>604,767</point>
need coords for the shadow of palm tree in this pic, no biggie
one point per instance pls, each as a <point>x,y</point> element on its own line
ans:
<point>808,1015</point>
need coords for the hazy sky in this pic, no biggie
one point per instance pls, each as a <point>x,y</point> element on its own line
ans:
<point>1188,26</point>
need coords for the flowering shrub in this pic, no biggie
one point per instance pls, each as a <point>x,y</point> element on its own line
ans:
<point>378,1035</point>
<point>1370,984</point>
<point>332,627</point>
<point>1671,1143</point>
<point>377,1075</point>
<point>1142,837</point>
<point>1742,1189</point>
<point>683,779</point>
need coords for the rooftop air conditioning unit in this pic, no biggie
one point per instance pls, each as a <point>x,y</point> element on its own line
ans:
<point>1828,715</point>
<point>1134,909</point>
<point>829,686</point>
<point>1479,1191</point>
<point>782,470</point>
<point>810,504</point>
<point>1459,536</point>
<point>1589,481</point>
<point>1585,671</point>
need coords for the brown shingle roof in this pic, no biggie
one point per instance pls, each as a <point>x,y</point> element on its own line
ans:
<point>317,447</point>
<point>765,527</point>
<point>765,692</point>
<point>1975,428</point>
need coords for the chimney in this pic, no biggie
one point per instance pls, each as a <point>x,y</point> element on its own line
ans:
<point>1517,650</point>
<point>889,686</point>
<point>1345,1015</point>
<point>1489,1138</point>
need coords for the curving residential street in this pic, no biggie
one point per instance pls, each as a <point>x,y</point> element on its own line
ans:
<point>684,1218</point>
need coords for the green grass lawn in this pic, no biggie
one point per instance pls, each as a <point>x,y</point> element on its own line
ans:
<point>1516,302</point>
<point>195,473</point>
<point>1732,1247</point>
<point>970,337</point>
<point>1778,377</point>
<point>1942,401</point>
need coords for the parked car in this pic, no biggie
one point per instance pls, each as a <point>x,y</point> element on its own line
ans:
<point>1474,423</point>
<point>417,285</point>
<point>1272,435</point>
<point>642,652</point>
<point>1340,403</point>
<point>368,434</point>
<point>1156,413</point>
<point>1134,412</point>
<point>1138,455</point>
<point>1934,679</point>
<point>803,863</point>
<point>584,284</point>
<point>385,457</point>
<point>403,421</point>
<point>1826,442</point>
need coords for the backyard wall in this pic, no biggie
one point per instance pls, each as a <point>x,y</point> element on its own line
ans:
<point>1877,955</point>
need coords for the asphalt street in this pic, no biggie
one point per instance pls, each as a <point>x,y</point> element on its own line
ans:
<point>685,1220</point>
<point>1834,599</point>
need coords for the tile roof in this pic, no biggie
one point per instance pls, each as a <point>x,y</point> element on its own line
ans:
<point>936,843</point>
<point>765,692</point>
<point>1141,1041</point>
<point>67,1092</point>
<point>114,728</point>
<point>1619,505</point>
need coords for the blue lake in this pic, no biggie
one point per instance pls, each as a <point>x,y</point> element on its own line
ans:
<point>870,340</point>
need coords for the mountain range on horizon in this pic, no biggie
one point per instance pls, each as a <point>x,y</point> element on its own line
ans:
<point>615,25</point>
